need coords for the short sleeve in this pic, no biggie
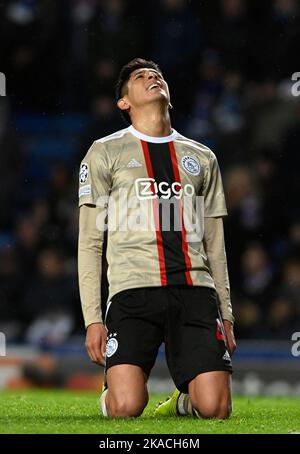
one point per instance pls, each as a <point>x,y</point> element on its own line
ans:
<point>213,192</point>
<point>94,175</point>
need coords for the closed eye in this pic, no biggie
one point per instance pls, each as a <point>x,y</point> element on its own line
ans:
<point>141,74</point>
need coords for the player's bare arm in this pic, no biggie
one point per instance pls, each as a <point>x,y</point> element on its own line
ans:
<point>230,338</point>
<point>95,342</point>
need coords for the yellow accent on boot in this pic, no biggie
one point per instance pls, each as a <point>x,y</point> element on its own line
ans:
<point>104,384</point>
<point>103,387</point>
<point>102,404</point>
<point>169,407</point>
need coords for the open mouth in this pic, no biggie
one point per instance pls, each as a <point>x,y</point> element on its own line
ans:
<point>153,86</point>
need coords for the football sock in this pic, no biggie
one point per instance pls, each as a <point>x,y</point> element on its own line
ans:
<point>103,404</point>
<point>184,405</point>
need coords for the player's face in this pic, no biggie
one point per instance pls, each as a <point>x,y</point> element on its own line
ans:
<point>147,85</point>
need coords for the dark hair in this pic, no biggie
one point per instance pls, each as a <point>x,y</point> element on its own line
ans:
<point>124,75</point>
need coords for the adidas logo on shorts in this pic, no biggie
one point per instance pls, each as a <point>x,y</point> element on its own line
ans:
<point>226,356</point>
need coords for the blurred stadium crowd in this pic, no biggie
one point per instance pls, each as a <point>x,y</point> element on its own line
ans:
<point>229,65</point>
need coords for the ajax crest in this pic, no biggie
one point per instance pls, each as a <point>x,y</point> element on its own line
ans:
<point>111,345</point>
<point>191,165</point>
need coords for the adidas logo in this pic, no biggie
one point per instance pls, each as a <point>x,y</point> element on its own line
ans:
<point>134,163</point>
<point>226,356</point>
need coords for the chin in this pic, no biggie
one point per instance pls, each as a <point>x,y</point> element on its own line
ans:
<point>160,96</point>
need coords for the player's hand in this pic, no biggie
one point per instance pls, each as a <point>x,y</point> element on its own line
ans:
<point>95,342</point>
<point>230,339</point>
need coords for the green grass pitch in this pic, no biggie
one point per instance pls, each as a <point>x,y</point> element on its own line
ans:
<point>77,412</point>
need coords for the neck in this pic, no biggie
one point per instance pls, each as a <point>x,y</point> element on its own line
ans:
<point>152,122</point>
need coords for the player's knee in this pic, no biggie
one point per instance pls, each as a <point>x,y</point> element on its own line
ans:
<point>224,411</point>
<point>126,408</point>
<point>218,410</point>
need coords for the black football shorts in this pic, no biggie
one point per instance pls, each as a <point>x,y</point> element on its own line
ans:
<point>185,318</point>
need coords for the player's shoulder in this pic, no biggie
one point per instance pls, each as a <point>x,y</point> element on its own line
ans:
<point>114,137</point>
<point>107,147</point>
<point>201,150</point>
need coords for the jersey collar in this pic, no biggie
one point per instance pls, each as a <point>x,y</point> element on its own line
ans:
<point>146,138</point>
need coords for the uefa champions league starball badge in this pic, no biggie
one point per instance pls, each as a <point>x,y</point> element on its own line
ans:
<point>83,173</point>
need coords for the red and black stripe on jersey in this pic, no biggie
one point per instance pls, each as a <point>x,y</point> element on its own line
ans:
<point>174,260</point>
